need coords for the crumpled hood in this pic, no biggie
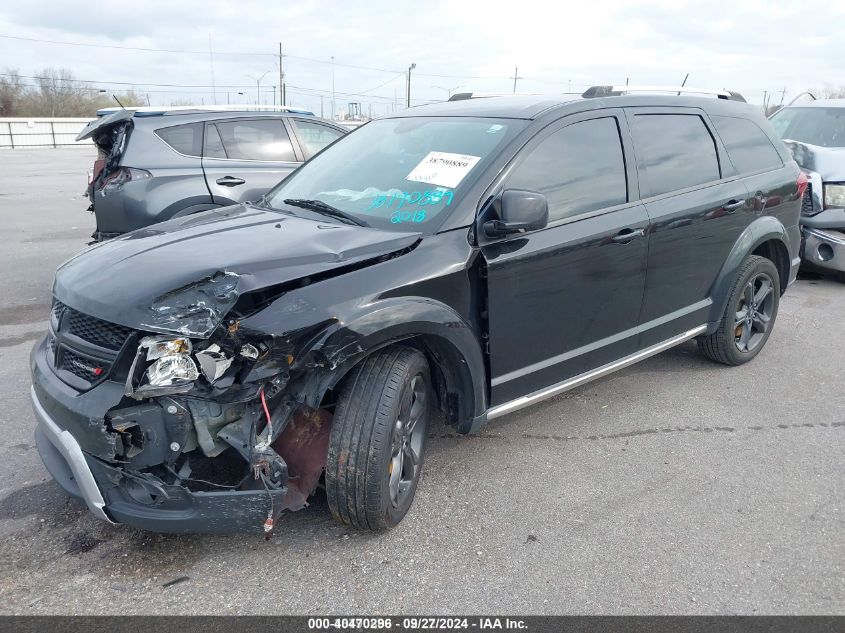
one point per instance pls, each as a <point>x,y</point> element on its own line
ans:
<point>828,162</point>
<point>185,274</point>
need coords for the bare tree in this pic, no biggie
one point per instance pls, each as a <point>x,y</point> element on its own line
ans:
<point>12,89</point>
<point>828,91</point>
<point>56,93</point>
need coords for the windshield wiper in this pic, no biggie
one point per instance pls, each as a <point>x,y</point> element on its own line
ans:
<point>325,209</point>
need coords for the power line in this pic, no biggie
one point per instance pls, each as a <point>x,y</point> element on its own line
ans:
<point>181,88</point>
<point>231,53</point>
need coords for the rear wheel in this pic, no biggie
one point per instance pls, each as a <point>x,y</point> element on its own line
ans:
<point>749,316</point>
<point>378,438</point>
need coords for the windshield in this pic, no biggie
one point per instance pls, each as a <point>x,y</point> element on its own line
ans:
<point>397,174</point>
<point>816,126</point>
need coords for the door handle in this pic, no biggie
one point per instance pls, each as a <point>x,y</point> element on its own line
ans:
<point>626,235</point>
<point>732,205</point>
<point>230,181</point>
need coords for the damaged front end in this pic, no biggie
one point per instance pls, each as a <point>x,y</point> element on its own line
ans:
<point>206,431</point>
<point>823,208</point>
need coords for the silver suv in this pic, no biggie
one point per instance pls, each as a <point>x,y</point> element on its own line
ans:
<point>154,164</point>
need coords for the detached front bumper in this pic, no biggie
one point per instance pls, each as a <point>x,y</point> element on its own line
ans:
<point>824,248</point>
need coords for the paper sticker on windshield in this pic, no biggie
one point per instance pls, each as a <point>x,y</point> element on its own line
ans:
<point>443,168</point>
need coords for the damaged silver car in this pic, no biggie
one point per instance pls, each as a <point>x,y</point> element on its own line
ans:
<point>815,134</point>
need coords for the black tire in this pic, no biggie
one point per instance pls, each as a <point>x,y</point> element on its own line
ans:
<point>742,332</point>
<point>385,390</point>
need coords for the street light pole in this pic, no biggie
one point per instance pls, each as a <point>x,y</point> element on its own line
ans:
<point>258,86</point>
<point>410,68</point>
<point>333,111</point>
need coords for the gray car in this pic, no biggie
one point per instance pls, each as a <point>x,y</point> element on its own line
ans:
<point>154,164</point>
<point>815,134</point>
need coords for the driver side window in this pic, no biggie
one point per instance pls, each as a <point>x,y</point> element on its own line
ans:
<point>579,168</point>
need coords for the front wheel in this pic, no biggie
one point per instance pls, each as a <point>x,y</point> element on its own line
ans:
<point>377,439</point>
<point>749,316</point>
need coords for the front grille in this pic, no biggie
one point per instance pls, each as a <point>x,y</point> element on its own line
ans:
<point>81,367</point>
<point>96,331</point>
<point>83,349</point>
<point>57,310</point>
<point>807,201</point>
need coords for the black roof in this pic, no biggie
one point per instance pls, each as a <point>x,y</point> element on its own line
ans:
<point>534,106</point>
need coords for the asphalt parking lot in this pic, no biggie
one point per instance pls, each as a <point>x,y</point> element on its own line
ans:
<point>675,486</point>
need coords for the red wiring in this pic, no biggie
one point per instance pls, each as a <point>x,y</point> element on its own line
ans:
<point>266,410</point>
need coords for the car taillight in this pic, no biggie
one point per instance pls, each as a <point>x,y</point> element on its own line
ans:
<point>805,194</point>
<point>802,183</point>
<point>121,176</point>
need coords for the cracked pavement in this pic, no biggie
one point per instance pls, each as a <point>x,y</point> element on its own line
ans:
<point>675,486</point>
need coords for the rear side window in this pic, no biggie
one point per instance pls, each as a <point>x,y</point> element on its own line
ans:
<point>315,136</point>
<point>185,139</point>
<point>748,146</point>
<point>579,169</point>
<point>676,150</point>
<point>259,139</point>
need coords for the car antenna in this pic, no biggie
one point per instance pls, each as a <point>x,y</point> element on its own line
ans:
<point>118,101</point>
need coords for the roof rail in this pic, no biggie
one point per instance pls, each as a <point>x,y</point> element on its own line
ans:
<point>615,91</point>
<point>461,96</point>
<point>160,110</point>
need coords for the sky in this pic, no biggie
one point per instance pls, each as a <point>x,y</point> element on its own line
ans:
<point>221,48</point>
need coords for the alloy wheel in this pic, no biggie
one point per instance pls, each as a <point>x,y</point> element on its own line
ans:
<point>754,313</point>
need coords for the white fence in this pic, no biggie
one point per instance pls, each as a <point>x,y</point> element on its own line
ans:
<point>40,132</point>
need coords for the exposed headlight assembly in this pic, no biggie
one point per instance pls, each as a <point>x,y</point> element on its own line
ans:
<point>834,196</point>
<point>172,369</point>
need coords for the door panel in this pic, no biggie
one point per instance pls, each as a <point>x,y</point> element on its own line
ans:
<point>563,301</point>
<point>697,209</point>
<point>690,237</point>
<point>245,158</point>
<point>566,299</point>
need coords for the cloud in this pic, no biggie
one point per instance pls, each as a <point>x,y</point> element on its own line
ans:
<point>746,45</point>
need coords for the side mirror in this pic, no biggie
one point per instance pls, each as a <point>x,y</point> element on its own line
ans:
<point>519,211</point>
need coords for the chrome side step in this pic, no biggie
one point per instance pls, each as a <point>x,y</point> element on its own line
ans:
<point>580,379</point>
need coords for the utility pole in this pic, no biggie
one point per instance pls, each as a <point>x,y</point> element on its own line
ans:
<point>333,105</point>
<point>321,107</point>
<point>274,95</point>
<point>515,77</point>
<point>282,95</point>
<point>782,96</point>
<point>410,68</point>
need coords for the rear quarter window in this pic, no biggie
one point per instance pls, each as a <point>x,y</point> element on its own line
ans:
<point>185,139</point>
<point>315,136</point>
<point>749,149</point>
<point>250,139</point>
<point>676,150</point>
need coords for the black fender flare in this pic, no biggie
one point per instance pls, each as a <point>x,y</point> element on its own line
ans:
<point>762,229</point>
<point>447,338</point>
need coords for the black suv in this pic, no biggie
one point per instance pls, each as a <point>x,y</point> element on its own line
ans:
<point>154,164</point>
<point>476,257</point>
